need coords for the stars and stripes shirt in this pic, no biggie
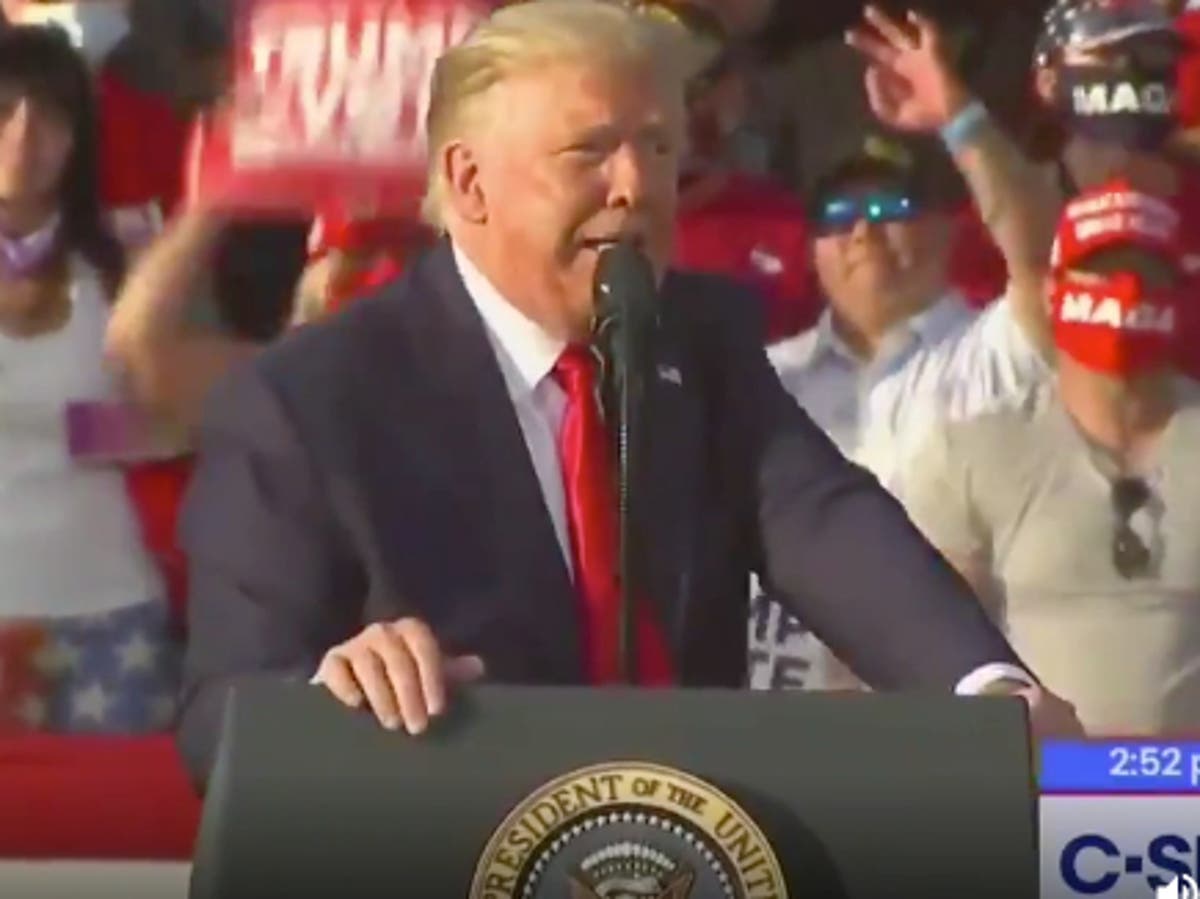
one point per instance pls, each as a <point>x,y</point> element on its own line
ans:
<point>116,672</point>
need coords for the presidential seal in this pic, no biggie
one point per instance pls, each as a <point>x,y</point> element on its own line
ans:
<point>628,830</point>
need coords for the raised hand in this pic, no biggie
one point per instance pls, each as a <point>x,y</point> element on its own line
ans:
<point>910,83</point>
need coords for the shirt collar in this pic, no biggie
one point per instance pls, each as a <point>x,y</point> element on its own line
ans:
<point>523,342</point>
<point>929,327</point>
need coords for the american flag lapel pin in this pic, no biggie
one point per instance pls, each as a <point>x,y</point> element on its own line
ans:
<point>670,374</point>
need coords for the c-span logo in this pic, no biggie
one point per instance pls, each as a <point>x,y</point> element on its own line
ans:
<point>628,830</point>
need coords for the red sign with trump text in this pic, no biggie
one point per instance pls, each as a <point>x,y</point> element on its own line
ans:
<point>328,104</point>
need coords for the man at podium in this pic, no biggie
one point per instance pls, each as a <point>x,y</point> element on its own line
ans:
<point>419,491</point>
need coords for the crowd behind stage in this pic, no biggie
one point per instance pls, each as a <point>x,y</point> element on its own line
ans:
<point>988,303</point>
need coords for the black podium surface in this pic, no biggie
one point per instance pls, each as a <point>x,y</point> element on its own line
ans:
<point>860,796</point>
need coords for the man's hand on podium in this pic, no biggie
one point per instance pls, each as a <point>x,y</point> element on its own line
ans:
<point>399,671</point>
<point>1050,717</point>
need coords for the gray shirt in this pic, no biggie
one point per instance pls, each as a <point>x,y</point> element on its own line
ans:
<point>1022,491</point>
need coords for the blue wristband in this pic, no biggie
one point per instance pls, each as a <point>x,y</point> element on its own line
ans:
<point>962,128</point>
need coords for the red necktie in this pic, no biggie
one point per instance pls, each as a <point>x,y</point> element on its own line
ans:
<point>592,521</point>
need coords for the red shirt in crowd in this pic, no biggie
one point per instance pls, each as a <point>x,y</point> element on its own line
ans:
<point>753,230</point>
<point>363,282</point>
<point>1188,204</point>
<point>1188,198</point>
<point>977,267</point>
<point>142,146</point>
<point>387,243</point>
<point>1189,69</point>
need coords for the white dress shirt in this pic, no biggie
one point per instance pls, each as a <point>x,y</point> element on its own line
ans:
<point>948,362</point>
<point>527,355</point>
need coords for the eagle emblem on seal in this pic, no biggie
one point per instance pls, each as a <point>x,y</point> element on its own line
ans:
<point>631,871</point>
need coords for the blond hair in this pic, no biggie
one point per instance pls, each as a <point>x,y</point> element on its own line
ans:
<point>526,37</point>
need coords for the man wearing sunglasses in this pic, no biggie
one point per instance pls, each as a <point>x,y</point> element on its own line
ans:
<point>898,346</point>
<point>1076,513</point>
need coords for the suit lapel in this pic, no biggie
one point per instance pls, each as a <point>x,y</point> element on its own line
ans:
<point>485,460</point>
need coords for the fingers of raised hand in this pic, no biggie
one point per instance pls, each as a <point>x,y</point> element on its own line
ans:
<point>877,51</point>
<point>928,33</point>
<point>899,36</point>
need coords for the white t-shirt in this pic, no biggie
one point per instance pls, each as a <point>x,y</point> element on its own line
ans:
<point>70,542</point>
<point>947,362</point>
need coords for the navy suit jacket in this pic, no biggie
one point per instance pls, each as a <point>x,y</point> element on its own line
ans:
<point>372,467</point>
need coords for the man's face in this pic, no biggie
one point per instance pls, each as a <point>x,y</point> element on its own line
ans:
<point>569,159</point>
<point>884,266</point>
<point>1092,162</point>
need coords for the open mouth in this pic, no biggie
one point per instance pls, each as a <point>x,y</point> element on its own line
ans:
<point>600,244</point>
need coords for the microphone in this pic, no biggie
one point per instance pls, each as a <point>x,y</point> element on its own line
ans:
<point>626,304</point>
<point>625,297</point>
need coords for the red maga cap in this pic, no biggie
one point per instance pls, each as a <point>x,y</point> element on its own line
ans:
<point>1115,215</point>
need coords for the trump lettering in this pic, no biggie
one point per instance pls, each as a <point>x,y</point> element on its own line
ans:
<point>349,80</point>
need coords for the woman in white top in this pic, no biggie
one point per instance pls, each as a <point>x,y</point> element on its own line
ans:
<point>85,643</point>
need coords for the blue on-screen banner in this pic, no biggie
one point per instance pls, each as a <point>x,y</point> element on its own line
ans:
<point>1120,766</point>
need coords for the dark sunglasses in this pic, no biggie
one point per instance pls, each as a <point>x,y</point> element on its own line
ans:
<point>839,214</point>
<point>1130,555</point>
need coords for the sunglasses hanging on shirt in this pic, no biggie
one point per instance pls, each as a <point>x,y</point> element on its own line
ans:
<point>839,214</point>
<point>1130,554</point>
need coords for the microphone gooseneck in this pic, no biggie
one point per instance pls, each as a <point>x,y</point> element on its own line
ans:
<point>626,303</point>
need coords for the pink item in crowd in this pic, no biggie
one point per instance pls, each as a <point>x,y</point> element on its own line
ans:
<point>24,256</point>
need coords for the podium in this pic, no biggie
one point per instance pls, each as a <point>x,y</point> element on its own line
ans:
<point>574,793</point>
